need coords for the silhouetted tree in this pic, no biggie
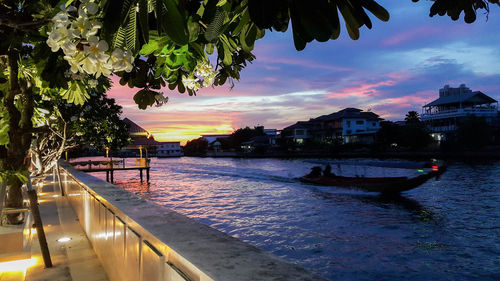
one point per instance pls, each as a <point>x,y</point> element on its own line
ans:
<point>196,147</point>
<point>412,117</point>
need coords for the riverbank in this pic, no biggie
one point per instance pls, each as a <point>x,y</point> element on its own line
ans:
<point>441,230</point>
<point>492,153</point>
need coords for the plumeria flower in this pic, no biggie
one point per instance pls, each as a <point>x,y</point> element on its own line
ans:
<point>75,62</point>
<point>204,70</point>
<point>81,26</point>
<point>57,37</point>
<point>69,48</point>
<point>68,9</point>
<point>122,61</point>
<point>92,8</point>
<point>95,26</point>
<point>95,50</point>
<point>103,68</point>
<point>61,19</point>
<point>191,82</point>
<point>209,80</point>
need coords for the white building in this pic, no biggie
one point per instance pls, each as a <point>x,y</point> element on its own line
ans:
<point>445,113</point>
<point>169,149</point>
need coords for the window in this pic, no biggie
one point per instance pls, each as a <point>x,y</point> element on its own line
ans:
<point>348,122</point>
<point>348,132</point>
<point>374,124</point>
<point>360,122</point>
<point>299,132</point>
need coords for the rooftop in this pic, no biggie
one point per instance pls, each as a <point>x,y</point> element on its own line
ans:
<point>468,98</point>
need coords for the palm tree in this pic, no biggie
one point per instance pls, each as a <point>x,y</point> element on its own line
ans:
<point>412,117</point>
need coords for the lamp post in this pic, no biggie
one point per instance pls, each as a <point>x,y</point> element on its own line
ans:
<point>107,153</point>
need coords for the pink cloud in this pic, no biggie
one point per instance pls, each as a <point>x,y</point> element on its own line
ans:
<point>302,62</point>
<point>412,34</point>
<point>363,90</point>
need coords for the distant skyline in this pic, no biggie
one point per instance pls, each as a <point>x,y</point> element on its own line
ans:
<point>396,67</point>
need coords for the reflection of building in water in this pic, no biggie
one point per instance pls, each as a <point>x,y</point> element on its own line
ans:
<point>443,115</point>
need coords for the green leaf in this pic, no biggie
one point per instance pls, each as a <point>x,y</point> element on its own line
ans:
<point>209,48</point>
<point>248,36</point>
<point>194,29</point>
<point>172,21</point>
<point>143,19</point>
<point>145,98</point>
<point>149,48</point>
<point>214,28</point>
<point>4,127</point>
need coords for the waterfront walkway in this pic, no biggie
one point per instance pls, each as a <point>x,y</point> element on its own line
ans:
<point>72,260</point>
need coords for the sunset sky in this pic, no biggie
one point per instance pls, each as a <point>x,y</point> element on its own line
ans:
<point>396,67</point>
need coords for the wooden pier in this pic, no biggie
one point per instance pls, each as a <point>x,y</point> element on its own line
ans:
<point>142,164</point>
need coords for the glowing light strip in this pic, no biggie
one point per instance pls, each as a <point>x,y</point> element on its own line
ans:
<point>19,265</point>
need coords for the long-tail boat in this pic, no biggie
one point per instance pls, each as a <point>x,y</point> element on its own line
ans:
<point>376,184</point>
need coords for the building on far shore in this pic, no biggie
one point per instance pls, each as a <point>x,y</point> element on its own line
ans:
<point>169,149</point>
<point>349,125</point>
<point>443,115</point>
<point>142,139</point>
<point>213,138</point>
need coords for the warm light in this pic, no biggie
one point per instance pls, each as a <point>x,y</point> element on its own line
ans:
<point>19,265</point>
<point>434,167</point>
<point>55,195</point>
<point>27,231</point>
<point>63,239</point>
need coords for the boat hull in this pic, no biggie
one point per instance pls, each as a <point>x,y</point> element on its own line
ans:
<point>382,185</point>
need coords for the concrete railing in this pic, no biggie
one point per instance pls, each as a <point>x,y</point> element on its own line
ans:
<point>138,240</point>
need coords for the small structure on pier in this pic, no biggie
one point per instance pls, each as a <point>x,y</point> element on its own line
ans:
<point>109,166</point>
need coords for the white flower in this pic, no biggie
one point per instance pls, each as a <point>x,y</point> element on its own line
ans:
<point>68,9</point>
<point>81,26</point>
<point>92,83</point>
<point>92,8</point>
<point>191,82</point>
<point>75,62</point>
<point>95,50</point>
<point>103,68</point>
<point>69,48</point>
<point>209,80</point>
<point>122,61</point>
<point>57,37</point>
<point>95,26</point>
<point>204,70</point>
<point>60,19</point>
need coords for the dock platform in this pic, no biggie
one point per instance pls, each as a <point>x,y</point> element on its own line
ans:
<point>111,166</point>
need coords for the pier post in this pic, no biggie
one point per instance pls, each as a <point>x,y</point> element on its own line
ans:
<point>112,180</point>
<point>140,172</point>
<point>107,176</point>
<point>147,175</point>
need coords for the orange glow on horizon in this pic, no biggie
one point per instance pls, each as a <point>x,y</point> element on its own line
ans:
<point>184,134</point>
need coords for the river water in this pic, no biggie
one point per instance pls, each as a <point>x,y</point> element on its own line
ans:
<point>443,230</point>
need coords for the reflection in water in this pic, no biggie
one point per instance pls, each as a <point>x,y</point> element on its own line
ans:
<point>443,230</point>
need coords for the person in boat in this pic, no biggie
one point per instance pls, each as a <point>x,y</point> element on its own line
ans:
<point>328,171</point>
<point>315,172</point>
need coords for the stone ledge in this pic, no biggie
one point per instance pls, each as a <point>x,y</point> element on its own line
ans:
<point>215,255</point>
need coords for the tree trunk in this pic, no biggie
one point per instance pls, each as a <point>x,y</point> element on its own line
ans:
<point>20,126</point>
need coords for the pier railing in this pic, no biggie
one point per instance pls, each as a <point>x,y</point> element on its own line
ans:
<point>138,240</point>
